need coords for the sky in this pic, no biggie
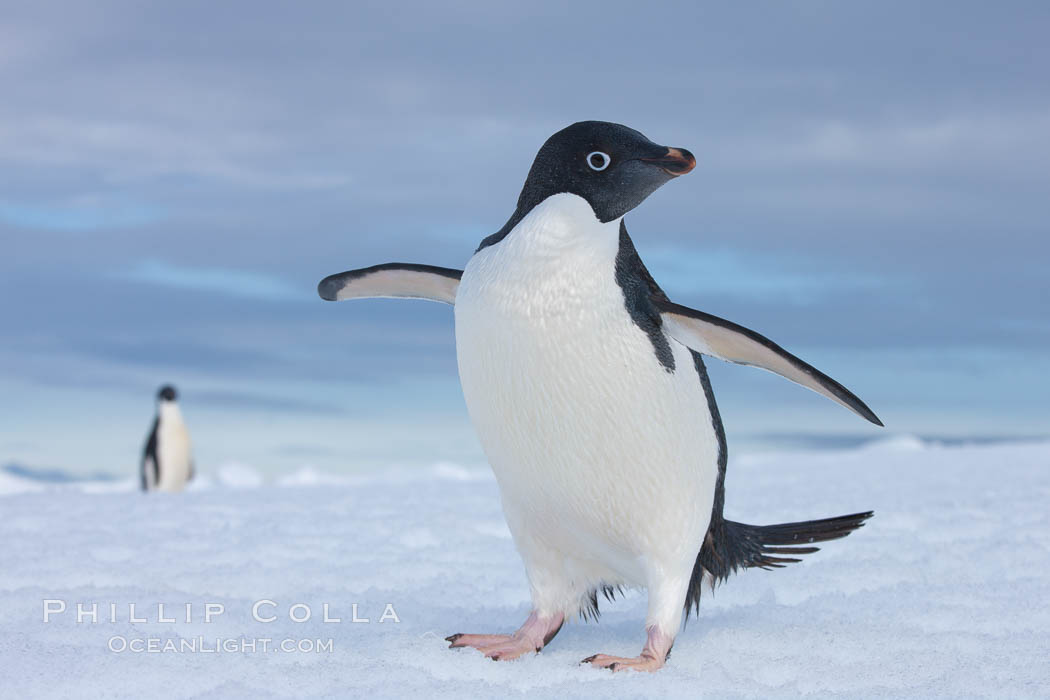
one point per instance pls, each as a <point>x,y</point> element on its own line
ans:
<point>871,192</point>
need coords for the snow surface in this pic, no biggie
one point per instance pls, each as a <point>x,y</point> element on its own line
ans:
<point>943,593</point>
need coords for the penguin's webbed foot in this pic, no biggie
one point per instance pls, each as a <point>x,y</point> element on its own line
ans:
<point>530,638</point>
<point>498,647</point>
<point>656,652</point>
<point>643,662</point>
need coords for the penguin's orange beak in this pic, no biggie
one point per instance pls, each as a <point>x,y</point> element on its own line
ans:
<point>677,161</point>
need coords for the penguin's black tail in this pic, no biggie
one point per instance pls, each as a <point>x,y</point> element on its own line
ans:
<point>730,546</point>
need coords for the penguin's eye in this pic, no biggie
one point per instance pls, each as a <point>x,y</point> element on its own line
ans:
<point>598,160</point>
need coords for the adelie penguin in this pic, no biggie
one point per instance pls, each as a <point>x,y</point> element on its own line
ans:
<point>167,460</point>
<point>586,386</point>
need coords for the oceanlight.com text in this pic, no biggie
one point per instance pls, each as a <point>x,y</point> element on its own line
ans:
<point>120,644</point>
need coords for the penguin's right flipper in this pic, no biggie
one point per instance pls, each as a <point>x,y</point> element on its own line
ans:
<point>148,473</point>
<point>393,280</point>
<point>717,337</point>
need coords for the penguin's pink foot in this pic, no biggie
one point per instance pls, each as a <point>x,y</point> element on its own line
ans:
<point>476,640</point>
<point>656,652</point>
<point>532,636</point>
<point>644,662</point>
<point>498,647</point>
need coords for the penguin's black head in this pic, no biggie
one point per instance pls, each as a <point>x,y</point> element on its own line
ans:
<point>610,165</point>
<point>166,393</point>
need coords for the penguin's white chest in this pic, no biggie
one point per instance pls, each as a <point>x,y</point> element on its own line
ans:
<point>173,450</point>
<point>599,451</point>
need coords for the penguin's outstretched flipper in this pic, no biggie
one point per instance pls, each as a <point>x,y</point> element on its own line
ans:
<point>717,337</point>
<point>393,280</point>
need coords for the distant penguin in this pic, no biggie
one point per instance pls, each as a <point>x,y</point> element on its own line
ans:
<point>586,386</point>
<point>167,460</point>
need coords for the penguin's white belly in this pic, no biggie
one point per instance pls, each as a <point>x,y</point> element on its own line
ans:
<point>173,455</point>
<point>601,454</point>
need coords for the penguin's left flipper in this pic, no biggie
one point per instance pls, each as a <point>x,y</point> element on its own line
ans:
<point>717,337</point>
<point>393,280</point>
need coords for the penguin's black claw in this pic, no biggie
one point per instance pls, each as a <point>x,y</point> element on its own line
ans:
<point>451,639</point>
<point>589,659</point>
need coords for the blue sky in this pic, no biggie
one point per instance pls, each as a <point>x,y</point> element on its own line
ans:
<point>871,192</point>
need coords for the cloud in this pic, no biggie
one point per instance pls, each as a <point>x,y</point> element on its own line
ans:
<point>125,149</point>
<point>974,142</point>
<point>235,283</point>
<point>753,277</point>
<point>1001,137</point>
<point>244,401</point>
<point>90,216</point>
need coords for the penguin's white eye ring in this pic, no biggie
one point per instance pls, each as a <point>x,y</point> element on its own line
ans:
<point>598,160</point>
